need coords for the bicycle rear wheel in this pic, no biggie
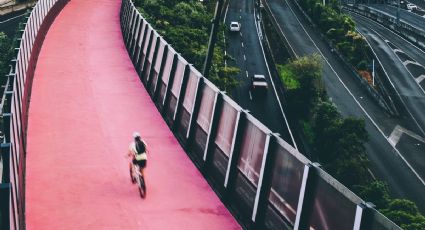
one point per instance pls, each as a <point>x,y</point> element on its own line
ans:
<point>142,187</point>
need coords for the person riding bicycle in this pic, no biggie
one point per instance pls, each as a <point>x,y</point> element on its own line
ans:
<point>137,151</point>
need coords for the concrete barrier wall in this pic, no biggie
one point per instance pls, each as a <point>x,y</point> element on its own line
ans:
<point>14,111</point>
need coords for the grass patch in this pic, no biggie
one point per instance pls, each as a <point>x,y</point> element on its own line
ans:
<point>288,78</point>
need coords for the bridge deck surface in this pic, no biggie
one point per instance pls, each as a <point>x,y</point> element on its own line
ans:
<point>86,102</point>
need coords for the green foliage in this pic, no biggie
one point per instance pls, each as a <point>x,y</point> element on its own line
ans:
<point>405,214</point>
<point>306,72</point>
<point>225,79</point>
<point>339,144</point>
<point>185,25</point>
<point>376,192</point>
<point>339,28</point>
<point>288,78</point>
<point>5,56</point>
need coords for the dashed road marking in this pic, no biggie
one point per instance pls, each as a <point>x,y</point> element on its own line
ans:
<point>242,44</point>
<point>250,96</point>
<point>246,73</point>
<point>240,33</point>
<point>240,16</point>
<point>244,57</point>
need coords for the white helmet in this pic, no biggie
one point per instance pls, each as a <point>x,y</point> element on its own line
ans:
<point>136,134</point>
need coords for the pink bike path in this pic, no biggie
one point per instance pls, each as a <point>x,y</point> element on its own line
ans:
<point>86,102</point>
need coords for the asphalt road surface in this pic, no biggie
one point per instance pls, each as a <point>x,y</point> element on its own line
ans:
<point>352,100</point>
<point>245,48</point>
<point>9,23</point>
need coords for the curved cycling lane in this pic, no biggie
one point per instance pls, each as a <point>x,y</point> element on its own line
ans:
<point>86,102</point>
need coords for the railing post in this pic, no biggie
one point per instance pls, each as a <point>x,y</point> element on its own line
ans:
<point>306,198</point>
<point>216,112</point>
<point>363,219</point>
<point>264,182</point>
<point>5,190</point>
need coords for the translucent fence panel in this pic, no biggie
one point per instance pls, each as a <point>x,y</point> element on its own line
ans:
<point>251,153</point>
<point>288,169</point>
<point>154,73</point>
<point>176,88</point>
<point>224,139</point>
<point>138,51</point>
<point>188,103</point>
<point>150,56</point>
<point>332,208</point>
<point>135,36</point>
<point>144,52</point>
<point>167,71</point>
<point>203,121</point>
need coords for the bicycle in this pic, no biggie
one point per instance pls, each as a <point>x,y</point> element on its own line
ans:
<point>137,177</point>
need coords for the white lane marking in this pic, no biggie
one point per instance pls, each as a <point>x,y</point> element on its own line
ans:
<point>358,103</point>
<point>240,16</point>
<point>244,57</point>
<point>398,131</point>
<point>246,73</point>
<point>10,19</point>
<point>240,10</point>
<point>242,44</point>
<point>240,33</point>
<point>420,78</point>
<point>225,13</point>
<point>274,88</point>
<point>250,96</point>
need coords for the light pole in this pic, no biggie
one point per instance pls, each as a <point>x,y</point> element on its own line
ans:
<point>213,37</point>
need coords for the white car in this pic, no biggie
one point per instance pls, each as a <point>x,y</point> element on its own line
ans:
<point>259,83</point>
<point>411,6</point>
<point>235,26</point>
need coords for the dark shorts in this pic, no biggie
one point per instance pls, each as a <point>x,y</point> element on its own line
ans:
<point>141,163</point>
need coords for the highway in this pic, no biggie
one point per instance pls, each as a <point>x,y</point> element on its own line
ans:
<point>246,50</point>
<point>405,16</point>
<point>351,99</point>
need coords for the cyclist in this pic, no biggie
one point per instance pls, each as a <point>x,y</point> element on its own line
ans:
<point>137,151</point>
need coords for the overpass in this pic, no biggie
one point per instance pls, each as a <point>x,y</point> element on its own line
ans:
<point>95,71</point>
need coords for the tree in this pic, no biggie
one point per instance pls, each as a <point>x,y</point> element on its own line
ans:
<point>376,192</point>
<point>308,72</point>
<point>5,56</point>
<point>404,213</point>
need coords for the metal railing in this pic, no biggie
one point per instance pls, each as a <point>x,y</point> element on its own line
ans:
<point>265,182</point>
<point>14,111</point>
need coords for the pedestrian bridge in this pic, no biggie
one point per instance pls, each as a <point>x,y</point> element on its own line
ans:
<point>88,74</point>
